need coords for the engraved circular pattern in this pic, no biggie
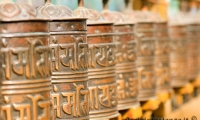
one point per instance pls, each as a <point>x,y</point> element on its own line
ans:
<point>113,16</point>
<point>16,11</point>
<point>92,15</point>
<point>29,9</point>
<point>51,11</point>
<point>9,10</point>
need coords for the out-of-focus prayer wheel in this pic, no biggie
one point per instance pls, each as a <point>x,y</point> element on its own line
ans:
<point>192,51</point>
<point>162,51</point>
<point>126,69</point>
<point>101,64</point>
<point>178,53</point>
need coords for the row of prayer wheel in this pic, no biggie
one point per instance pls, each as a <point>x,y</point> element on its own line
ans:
<point>59,64</point>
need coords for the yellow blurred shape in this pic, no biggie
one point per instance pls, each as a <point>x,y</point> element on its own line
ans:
<point>133,113</point>
<point>151,104</point>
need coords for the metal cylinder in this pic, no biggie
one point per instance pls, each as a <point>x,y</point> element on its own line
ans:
<point>145,32</point>
<point>69,65</point>
<point>125,66</point>
<point>162,50</point>
<point>102,81</point>
<point>101,65</point>
<point>25,59</point>
<point>192,51</point>
<point>126,71</point>
<point>178,55</point>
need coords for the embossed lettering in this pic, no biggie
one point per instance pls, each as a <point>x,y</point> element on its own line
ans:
<point>6,109</point>
<point>121,89</point>
<point>21,65</point>
<point>104,98</point>
<point>113,94</point>
<point>46,107</point>
<point>27,61</point>
<point>56,104</point>
<point>54,57</point>
<point>94,98</point>
<point>162,75</point>
<point>6,62</point>
<point>145,78</point>
<point>102,54</point>
<point>23,108</point>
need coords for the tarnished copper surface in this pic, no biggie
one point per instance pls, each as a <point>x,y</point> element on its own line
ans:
<point>145,32</point>
<point>101,65</point>
<point>178,55</point>
<point>69,65</point>
<point>25,59</point>
<point>192,51</point>
<point>126,70</point>
<point>162,50</point>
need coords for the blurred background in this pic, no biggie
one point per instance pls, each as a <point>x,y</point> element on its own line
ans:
<point>166,8</point>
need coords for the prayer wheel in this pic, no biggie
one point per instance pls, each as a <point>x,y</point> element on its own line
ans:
<point>162,51</point>
<point>69,62</point>
<point>125,55</point>
<point>26,83</point>
<point>145,36</point>
<point>192,51</point>
<point>145,60</point>
<point>101,64</point>
<point>178,54</point>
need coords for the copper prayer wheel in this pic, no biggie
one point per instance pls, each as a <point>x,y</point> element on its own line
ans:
<point>69,65</point>
<point>101,64</point>
<point>162,50</point>
<point>145,60</point>
<point>26,83</point>
<point>178,54</point>
<point>192,51</point>
<point>126,70</point>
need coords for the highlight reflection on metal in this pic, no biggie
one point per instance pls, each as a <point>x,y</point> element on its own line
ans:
<point>125,59</point>
<point>178,55</point>
<point>25,59</point>
<point>162,50</point>
<point>101,62</point>
<point>145,32</point>
<point>69,65</point>
<point>192,51</point>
